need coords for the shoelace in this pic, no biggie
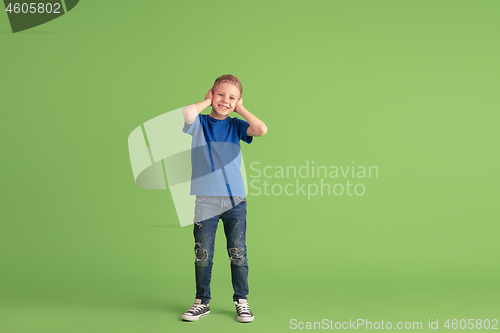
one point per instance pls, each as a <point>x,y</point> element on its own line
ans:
<point>197,308</point>
<point>243,308</point>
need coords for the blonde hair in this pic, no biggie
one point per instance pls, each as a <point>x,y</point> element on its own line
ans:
<point>229,79</point>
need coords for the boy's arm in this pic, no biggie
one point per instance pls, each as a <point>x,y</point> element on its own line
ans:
<point>257,126</point>
<point>192,111</point>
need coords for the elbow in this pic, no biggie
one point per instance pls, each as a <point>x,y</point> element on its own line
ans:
<point>263,130</point>
<point>188,114</point>
<point>188,110</point>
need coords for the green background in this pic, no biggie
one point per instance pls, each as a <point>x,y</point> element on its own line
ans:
<point>408,86</point>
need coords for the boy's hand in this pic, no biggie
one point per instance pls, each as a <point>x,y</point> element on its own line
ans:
<point>209,95</point>
<point>239,104</point>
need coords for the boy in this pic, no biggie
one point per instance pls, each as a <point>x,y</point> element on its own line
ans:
<point>218,185</point>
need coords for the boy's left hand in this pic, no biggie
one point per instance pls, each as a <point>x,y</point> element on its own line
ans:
<point>239,104</point>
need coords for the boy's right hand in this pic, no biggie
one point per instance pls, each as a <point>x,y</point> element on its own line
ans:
<point>209,95</point>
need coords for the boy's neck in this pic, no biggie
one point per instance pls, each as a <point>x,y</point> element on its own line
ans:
<point>214,115</point>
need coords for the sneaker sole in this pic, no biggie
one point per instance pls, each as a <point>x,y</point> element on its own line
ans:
<point>194,318</point>
<point>245,319</point>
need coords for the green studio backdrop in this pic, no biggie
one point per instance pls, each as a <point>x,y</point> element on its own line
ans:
<point>408,88</point>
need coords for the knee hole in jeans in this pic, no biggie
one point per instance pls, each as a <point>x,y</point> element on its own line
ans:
<point>201,255</point>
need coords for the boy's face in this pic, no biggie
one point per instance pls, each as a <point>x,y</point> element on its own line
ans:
<point>224,99</point>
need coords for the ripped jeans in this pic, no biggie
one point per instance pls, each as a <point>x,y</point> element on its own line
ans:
<point>232,211</point>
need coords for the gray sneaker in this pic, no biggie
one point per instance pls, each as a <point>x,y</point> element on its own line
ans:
<point>243,310</point>
<point>197,311</point>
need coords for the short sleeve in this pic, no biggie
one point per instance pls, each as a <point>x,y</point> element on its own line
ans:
<point>242,130</point>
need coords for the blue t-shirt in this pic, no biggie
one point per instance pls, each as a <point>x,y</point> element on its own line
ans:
<point>216,155</point>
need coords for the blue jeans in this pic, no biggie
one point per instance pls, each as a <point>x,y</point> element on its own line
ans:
<point>232,211</point>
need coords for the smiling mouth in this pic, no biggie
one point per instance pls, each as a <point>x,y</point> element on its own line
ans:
<point>223,107</point>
